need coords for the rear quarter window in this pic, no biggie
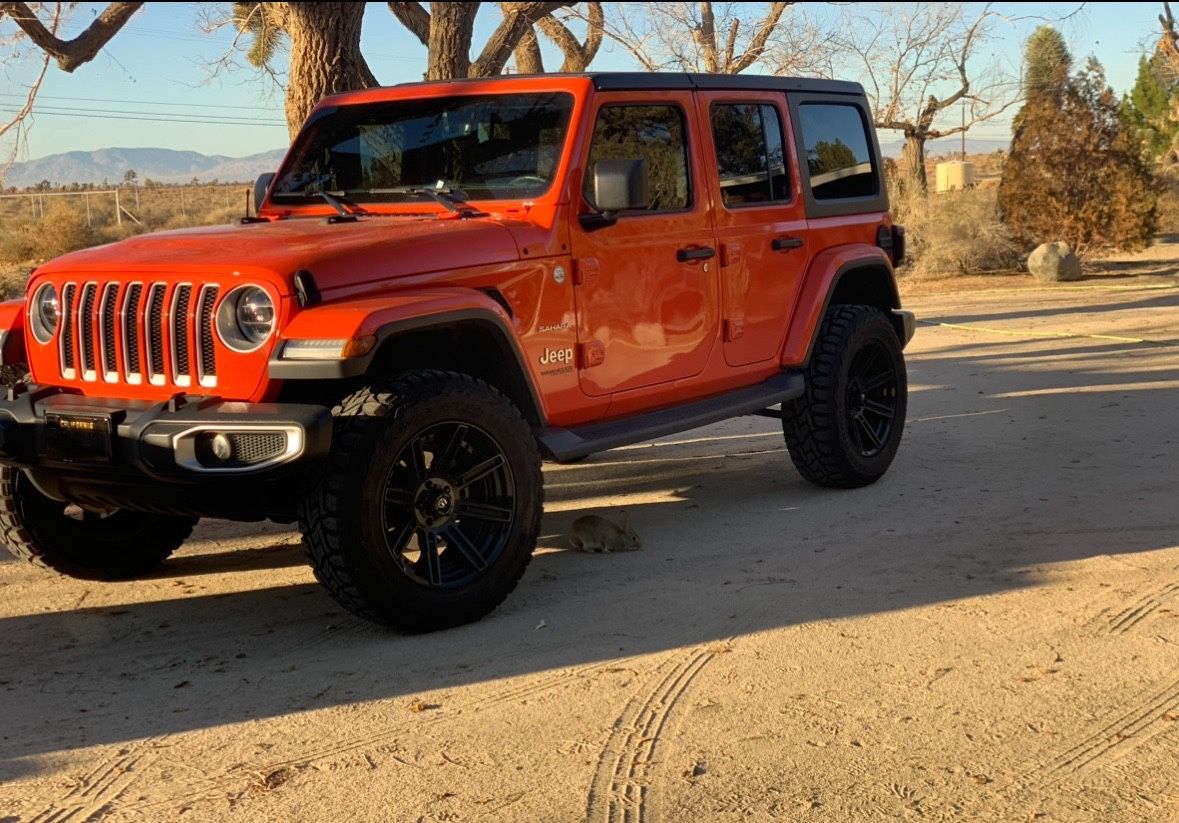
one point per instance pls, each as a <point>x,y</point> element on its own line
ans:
<point>838,156</point>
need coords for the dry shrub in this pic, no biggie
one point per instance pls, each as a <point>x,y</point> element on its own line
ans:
<point>1168,202</point>
<point>27,238</point>
<point>956,232</point>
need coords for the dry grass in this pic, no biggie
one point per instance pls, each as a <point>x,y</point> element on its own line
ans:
<point>955,233</point>
<point>32,232</point>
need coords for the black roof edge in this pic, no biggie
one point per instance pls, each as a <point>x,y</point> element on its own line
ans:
<point>638,81</point>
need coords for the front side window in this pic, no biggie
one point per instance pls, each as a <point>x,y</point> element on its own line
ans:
<point>652,133</point>
<point>749,157</point>
<point>484,147</point>
<point>835,139</point>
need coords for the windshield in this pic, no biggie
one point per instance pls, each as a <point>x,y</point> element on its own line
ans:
<point>485,147</point>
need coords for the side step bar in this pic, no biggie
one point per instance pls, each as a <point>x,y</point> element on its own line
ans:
<point>569,444</point>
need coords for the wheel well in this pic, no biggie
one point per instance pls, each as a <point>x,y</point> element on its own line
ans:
<point>473,347</point>
<point>869,285</point>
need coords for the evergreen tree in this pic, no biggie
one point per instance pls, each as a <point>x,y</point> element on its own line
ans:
<point>1087,184</point>
<point>1147,108</point>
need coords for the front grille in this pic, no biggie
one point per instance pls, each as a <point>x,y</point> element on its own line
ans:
<point>67,332</point>
<point>86,332</point>
<point>137,333</point>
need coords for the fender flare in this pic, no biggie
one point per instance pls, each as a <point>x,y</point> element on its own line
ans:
<point>395,316</point>
<point>824,276</point>
<point>12,332</point>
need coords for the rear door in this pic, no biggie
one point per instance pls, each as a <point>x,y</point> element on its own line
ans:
<point>760,221</point>
<point>646,287</point>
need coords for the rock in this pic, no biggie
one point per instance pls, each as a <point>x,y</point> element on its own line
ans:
<point>1054,263</point>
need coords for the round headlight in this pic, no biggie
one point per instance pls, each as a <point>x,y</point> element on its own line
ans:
<point>245,318</point>
<point>46,313</point>
<point>255,314</point>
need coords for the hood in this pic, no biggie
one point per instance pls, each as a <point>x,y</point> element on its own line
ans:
<point>372,248</point>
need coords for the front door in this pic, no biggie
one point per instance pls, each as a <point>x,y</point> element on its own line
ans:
<point>760,222</point>
<point>646,286</point>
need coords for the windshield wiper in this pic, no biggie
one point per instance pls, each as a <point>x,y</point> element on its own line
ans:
<point>338,200</point>
<point>450,197</point>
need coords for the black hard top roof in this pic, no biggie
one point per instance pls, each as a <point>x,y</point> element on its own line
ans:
<point>636,80</point>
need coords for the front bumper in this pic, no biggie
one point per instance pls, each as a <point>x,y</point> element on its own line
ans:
<point>157,455</point>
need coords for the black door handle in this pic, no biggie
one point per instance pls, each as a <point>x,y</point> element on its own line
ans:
<point>784,243</point>
<point>695,253</point>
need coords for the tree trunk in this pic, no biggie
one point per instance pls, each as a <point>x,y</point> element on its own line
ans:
<point>325,55</point>
<point>913,162</point>
<point>449,46</point>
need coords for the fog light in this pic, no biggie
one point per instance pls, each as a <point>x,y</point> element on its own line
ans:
<point>221,447</point>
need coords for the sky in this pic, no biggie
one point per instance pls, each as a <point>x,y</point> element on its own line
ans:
<point>159,68</point>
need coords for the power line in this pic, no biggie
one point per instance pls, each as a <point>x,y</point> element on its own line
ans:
<point>133,102</point>
<point>211,118</point>
<point>210,122</point>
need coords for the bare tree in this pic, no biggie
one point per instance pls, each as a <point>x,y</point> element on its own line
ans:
<point>577,54</point>
<point>728,38</point>
<point>323,41</point>
<point>1169,42</point>
<point>919,62</point>
<point>15,130</point>
<point>447,31</point>
<point>325,56</point>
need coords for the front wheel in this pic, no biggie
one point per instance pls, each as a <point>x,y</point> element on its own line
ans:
<point>430,508</point>
<point>845,429</point>
<point>90,545</point>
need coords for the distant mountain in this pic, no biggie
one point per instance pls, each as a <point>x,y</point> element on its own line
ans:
<point>891,146</point>
<point>163,165</point>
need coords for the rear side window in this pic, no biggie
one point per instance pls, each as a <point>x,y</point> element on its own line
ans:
<point>749,156</point>
<point>835,139</point>
<point>653,133</point>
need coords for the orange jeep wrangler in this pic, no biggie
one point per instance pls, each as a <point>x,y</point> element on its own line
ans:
<point>444,284</point>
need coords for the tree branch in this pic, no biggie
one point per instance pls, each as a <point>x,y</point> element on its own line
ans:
<point>82,49</point>
<point>578,55</point>
<point>518,18</point>
<point>415,18</point>
<point>757,45</point>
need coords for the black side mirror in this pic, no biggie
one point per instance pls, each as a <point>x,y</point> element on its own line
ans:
<point>621,185</point>
<point>260,186</point>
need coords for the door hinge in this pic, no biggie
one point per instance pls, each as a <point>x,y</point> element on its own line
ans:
<point>734,329</point>
<point>730,254</point>
<point>585,270</point>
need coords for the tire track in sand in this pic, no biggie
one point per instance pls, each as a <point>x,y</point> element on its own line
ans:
<point>625,788</point>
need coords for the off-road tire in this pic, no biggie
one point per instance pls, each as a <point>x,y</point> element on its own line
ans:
<point>340,514</point>
<point>817,424</point>
<point>120,545</point>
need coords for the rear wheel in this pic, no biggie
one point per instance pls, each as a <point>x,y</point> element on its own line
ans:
<point>91,545</point>
<point>845,429</point>
<point>430,508</point>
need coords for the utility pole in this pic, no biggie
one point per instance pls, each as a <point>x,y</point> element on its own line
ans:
<point>963,131</point>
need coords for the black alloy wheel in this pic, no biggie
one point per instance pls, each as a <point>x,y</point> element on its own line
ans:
<point>448,505</point>
<point>872,391</point>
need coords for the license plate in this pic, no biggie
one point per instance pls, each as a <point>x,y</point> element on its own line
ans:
<point>78,438</point>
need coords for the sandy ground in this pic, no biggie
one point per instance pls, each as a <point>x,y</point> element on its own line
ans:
<point>989,633</point>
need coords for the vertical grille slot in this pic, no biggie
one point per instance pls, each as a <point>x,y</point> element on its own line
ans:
<point>206,351</point>
<point>130,323</point>
<point>86,331</point>
<point>154,336</point>
<point>67,331</point>
<point>178,329</point>
<point>107,310</point>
